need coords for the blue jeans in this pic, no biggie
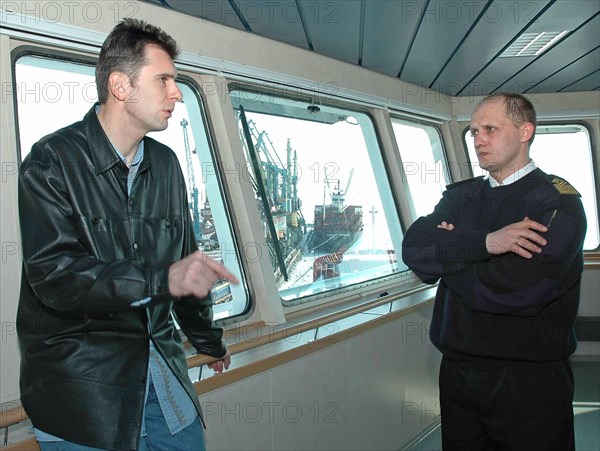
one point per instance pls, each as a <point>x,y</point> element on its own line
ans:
<point>159,437</point>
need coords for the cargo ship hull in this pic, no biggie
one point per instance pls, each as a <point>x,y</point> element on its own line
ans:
<point>335,229</point>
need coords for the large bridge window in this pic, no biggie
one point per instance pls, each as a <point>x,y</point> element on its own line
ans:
<point>424,163</point>
<point>566,151</point>
<point>328,216</point>
<point>52,93</point>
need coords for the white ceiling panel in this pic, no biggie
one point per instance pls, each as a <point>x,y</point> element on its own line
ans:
<point>444,26</point>
<point>501,72</point>
<point>388,31</point>
<point>582,67</point>
<point>589,83</point>
<point>334,27</point>
<point>281,19</point>
<point>575,45</point>
<point>219,11</point>
<point>449,46</point>
<point>491,34</point>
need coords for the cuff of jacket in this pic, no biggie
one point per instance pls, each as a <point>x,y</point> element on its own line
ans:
<point>218,352</point>
<point>158,284</point>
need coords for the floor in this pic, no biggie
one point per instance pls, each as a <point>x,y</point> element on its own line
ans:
<point>586,406</point>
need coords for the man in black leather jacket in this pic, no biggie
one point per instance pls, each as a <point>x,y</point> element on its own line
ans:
<point>109,254</point>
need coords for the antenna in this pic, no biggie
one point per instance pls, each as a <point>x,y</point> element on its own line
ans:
<point>349,180</point>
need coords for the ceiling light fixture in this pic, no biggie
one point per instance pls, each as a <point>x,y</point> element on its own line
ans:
<point>533,44</point>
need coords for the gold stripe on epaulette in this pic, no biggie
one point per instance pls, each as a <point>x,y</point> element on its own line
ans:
<point>563,187</point>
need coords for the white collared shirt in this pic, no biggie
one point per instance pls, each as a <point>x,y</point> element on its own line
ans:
<point>529,167</point>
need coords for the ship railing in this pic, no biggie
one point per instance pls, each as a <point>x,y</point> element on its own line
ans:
<point>400,304</point>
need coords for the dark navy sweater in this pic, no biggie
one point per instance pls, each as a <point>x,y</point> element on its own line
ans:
<point>501,306</point>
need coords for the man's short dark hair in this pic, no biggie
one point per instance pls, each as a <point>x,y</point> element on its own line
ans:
<point>124,50</point>
<point>518,109</point>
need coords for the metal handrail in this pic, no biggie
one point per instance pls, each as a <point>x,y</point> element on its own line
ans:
<point>16,414</point>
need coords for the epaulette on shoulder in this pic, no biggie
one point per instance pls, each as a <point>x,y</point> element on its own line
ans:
<point>464,182</point>
<point>561,185</point>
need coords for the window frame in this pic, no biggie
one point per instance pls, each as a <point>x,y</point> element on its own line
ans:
<point>46,53</point>
<point>447,166</point>
<point>365,290</point>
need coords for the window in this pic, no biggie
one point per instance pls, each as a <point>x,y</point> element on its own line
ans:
<point>50,94</point>
<point>327,210</point>
<point>424,164</point>
<point>53,93</point>
<point>566,151</point>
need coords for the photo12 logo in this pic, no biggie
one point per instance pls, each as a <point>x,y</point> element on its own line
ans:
<point>67,12</point>
<point>272,412</point>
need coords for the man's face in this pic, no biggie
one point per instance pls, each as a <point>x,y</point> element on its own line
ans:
<point>151,101</point>
<point>501,147</point>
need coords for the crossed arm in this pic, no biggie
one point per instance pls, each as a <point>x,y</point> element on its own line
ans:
<point>519,237</point>
<point>517,269</point>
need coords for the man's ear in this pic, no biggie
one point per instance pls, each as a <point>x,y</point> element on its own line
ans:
<point>119,85</point>
<point>527,131</point>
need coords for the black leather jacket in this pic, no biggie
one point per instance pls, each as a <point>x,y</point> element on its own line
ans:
<point>89,251</point>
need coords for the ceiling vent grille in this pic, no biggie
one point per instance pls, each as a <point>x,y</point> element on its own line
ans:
<point>533,44</point>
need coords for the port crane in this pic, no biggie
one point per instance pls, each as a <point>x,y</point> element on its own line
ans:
<point>280,180</point>
<point>276,187</point>
<point>194,207</point>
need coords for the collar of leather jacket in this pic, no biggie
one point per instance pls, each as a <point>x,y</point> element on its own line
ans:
<point>104,156</point>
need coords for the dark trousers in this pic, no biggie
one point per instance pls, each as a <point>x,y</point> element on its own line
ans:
<point>520,406</point>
